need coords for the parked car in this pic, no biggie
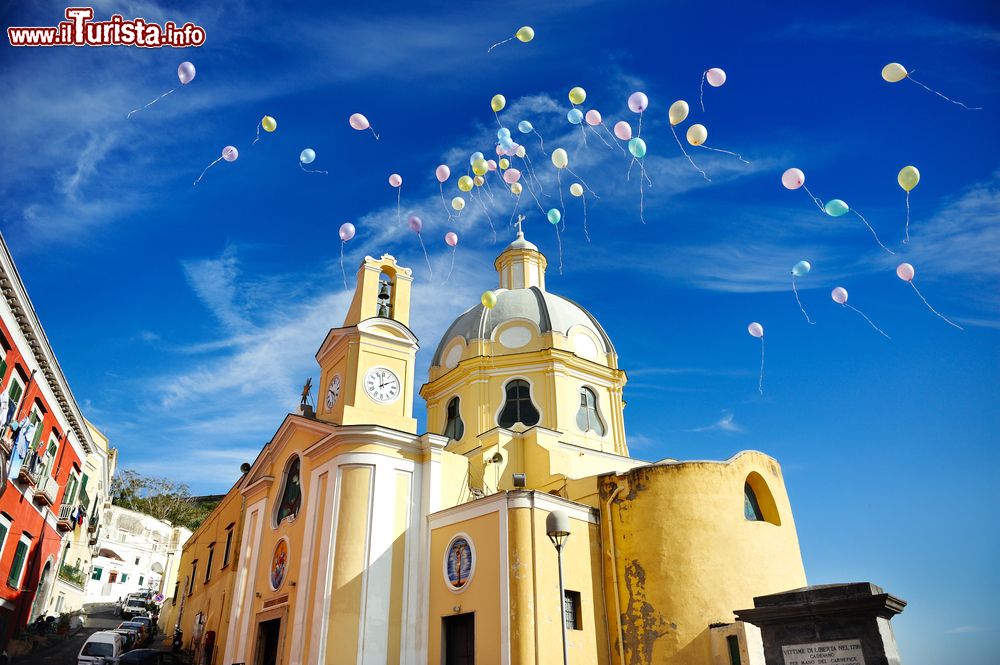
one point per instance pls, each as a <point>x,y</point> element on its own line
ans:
<point>130,636</point>
<point>140,629</point>
<point>149,657</point>
<point>100,647</point>
<point>132,607</point>
<point>147,621</point>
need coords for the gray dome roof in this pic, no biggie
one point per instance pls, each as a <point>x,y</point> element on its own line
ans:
<point>546,310</point>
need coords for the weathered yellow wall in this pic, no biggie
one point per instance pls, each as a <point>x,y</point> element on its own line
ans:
<point>685,556</point>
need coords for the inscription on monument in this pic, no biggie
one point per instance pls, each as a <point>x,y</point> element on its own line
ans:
<point>841,652</point>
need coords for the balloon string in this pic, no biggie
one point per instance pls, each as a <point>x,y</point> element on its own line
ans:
<point>628,176</point>
<point>681,146</point>
<point>480,199</point>
<point>906,241</point>
<point>760,384</point>
<point>541,142</point>
<point>562,205</point>
<point>342,270</point>
<point>257,138</point>
<point>880,331</point>
<point>873,232</point>
<point>945,318</point>
<point>206,170</point>
<point>819,204</point>
<point>584,183</point>
<point>642,179</point>
<point>373,132</point>
<point>150,104</point>
<point>531,170</point>
<point>586,231</point>
<point>614,138</point>
<point>517,202</point>
<point>426,258</point>
<point>497,116</point>
<point>559,241</point>
<point>532,192</point>
<point>499,43</point>
<point>399,193</point>
<point>489,188</point>
<point>451,269</point>
<point>311,170</point>
<point>967,108</point>
<point>600,137</point>
<point>736,155</point>
<point>443,204</point>
<point>701,91</point>
<point>796,292</point>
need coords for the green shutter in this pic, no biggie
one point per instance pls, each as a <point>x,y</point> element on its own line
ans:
<point>3,536</point>
<point>15,391</point>
<point>96,574</point>
<point>124,577</point>
<point>3,368</point>
<point>15,568</point>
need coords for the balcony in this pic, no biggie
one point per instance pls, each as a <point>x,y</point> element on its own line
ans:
<point>65,520</point>
<point>72,576</point>
<point>92,524</point>
<point>45,491</point>
<point>25,477</point>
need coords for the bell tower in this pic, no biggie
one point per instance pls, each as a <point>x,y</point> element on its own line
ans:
<point>367,364</point>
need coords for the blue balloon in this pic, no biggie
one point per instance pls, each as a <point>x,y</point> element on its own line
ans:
<point>554,216</point>
<point>506,143</point>
<point>801,268</point>
<point>475,157</point>
<point>524,127</point>
<point>502,132</point>
<point>836,208</point>
<point>307,156</point>
<point>575,116</point>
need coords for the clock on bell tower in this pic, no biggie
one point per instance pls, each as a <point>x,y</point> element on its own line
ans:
<point>367,364</point>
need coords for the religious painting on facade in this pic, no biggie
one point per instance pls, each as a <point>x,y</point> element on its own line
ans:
<point>291,494</point>
<point>459,562</point>
<point>279,564</point>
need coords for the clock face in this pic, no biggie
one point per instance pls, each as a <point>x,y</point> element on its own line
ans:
<point>381,385</point>
<point>333,392</point>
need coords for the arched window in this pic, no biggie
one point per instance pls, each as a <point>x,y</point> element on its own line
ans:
<point>518,407</point>
<point>587,418</point>
<point>291,494</point>
<point>751,509</point>
<point>455,428</point>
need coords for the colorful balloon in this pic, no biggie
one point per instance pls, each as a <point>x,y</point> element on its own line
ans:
<point>576,189</point>
<point>498,102</point>
<point>696,134</point>
<point>623,130</point>
<point>894,72</point>
<point>442,173</point>
<point>637,102</point>
<point>491,164</point>
<point>503,133</point>
<point>715,77</point>
<point>575,116</point>
<point>465,183</point>
<point>755,329</point>
<point>510,176</point>
<point>559,158</point>
<point>524,127</point>
<point>504,163</point>
<point>678,112</point>
<point>836,208</point>
<point>230,153</point>
<point>520,151</point>
<point>458,203</point>
<point>905,272</point>
<point>415,223</point>
<point>451,239</point>
<point>637,147</point>
<point>478,181</point>
<point>268,123</point>
<point>516,189</point>
<point>396,180</point>
<point>185,72</point>
<point>359,122</point>
<point>908,178</point>
<point>593,117</point>
<point>307,156</point>
<point>525,34</point>
<point>553,215</point>
<point>474,157</point>
<point>480,167</point>
<point>489,299</point>
<point>347,231</point>
<point>839,295</point>
<point>577,95</point>
<point>793,179</point>
<point>801,268</point>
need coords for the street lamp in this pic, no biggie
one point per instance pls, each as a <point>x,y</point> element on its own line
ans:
<point>557,528</point>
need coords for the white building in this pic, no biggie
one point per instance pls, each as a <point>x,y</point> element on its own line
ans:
<point>135,552</point>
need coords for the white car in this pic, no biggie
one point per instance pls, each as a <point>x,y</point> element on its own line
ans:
<point>101,646</point>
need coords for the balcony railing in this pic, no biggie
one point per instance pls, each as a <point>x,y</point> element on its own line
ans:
<point>72,575</point>
<point>65,519</point>
<point>45,490</point>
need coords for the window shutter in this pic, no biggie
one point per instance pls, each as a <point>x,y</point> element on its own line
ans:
<point>15,568</point>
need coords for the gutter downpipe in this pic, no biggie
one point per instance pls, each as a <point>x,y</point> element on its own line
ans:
<point>614,578</point>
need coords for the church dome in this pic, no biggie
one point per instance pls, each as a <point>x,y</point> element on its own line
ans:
<point>522,297</point>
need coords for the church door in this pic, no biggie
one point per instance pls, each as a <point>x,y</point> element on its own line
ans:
<point>459,639</point>
<point>268,633</point>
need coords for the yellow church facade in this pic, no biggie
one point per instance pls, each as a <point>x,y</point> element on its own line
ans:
<point>362,541</point>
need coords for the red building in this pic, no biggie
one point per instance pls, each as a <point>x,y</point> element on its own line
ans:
<point>43,440</point>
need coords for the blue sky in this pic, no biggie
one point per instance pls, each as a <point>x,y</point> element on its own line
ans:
<point>186,318</point>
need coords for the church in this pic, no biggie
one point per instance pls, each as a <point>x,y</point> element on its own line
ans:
<point>355,539</point>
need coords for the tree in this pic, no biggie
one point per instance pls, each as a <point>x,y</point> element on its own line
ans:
<point>162,498</point>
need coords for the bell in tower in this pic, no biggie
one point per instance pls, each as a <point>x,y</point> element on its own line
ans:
<point>383,291</point>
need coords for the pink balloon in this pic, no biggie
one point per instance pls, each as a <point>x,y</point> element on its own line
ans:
<point>500,151</point>
<point>905,272</point>
<point>593,117</point>
<point>395,180</point>
<point>623,130</point>
<point>793,179</point>
<point>442,172</point>
<point>715,77</point>
<point>839,295</point>
<point>415,223</point>
<point>185,72</point>
<point>358,122</point>
<point>510,176</point>
<point>491,165</point>
<point>755,329</point>
<point>637,102</point>
<point>451,238</point>
<point>230,153</point>
<point>346,231</point>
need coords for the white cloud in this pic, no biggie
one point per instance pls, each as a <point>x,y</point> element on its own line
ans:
<point>961,630</point>
<point>723,424</point>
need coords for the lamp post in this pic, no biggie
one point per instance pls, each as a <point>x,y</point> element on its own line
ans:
<point>557,528</point>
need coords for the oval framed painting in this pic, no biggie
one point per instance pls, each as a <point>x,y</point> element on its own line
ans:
<point>279,564</point>
<point>459,563</point>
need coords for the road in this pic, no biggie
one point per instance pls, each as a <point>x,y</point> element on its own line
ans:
<point>64,651</point>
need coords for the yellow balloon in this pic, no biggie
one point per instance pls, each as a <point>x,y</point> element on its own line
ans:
<point>515,189</point>
<point>498,102</point>
<point>458,203</point>
<point>480,167</point>
<point>478,180</point>
<point>576,189</point>
<point>697,134</point>
<point>894,72</point>
<point>504,163</point>
<point>577,95</point>
<point>268,123</point>
<point>908,177</point>
<point>465,183</point>
<point>520,151</point>
<point>678,112</point>
<point>489,299</point>
<point>559,158</point>
<point>525,34</point>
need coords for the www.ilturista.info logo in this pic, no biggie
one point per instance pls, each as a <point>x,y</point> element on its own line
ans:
<point>79,29</point>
